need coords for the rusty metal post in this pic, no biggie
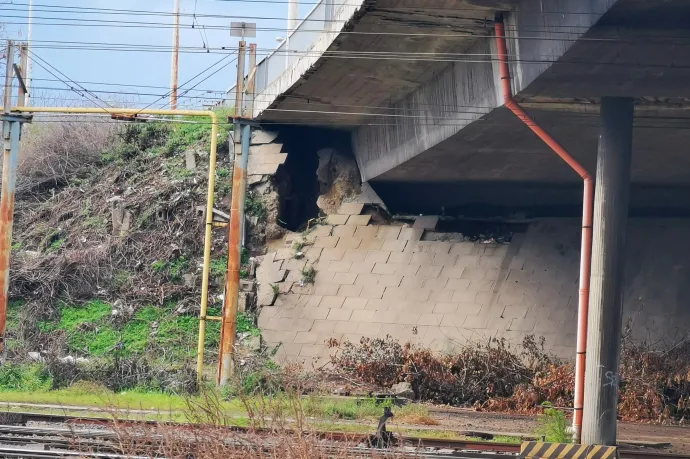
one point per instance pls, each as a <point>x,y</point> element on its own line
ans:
<point>232,288</point>
<point>251,83</point>
<point>10,134</point>
<point>239,182</point>
<point>23,88</point>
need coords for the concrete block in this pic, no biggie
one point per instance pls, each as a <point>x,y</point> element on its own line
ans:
<point>430,319</point>
<point>456,284</point>
<point>373,292</point>
<point>377,305</point>
<point>443,259</point>
<point>349,243</point>
<point>464,296</point>
<point>324,289</point>
<point>395,294</point>
<point>284,254</point>
<point>494,274</point>
<point>417,294</point>
<point>340,314</point>
<point>480,285</point>
<point>332,254</point>
<point>511,299</point>
<point>319,230</point>
<point>371,244</point>
<point>408,318</point>
<point>364,267</point>
<point>413,281</point>
<point>263,169</point>
<point>332,302</point>
<point>453,320</point>
<point>324,326</point>
<point>426,222</point>
<point>355,255</point>
<point>344,231</point>
<point>473,273</point>
<point>469,309</point>
<point>390,280</point>
<point>483,298</point>
<point>393,245</point>
<point>345,327</point>
<point>470,261</point>
<point>260,137</point>
<point>410,234</point>
<point>393,329</point>
<point>294,264</point>
<point>446,308</point>
<point>440,248</point>
<point>454,272</point>
<point>326,241</point>
<point>337,219</point>
<point>366,232</point>
<point>367,279</point>
<point>429,271</point>
<point>358,220</point>
<point>290,313</point>
<point>324,277</point>
<point>299,325</point>
<point>402,258</point>
<point>339,266</point>
<point>369,329</point>
<point>313,301</point>
<point>523,325</point>
<point>492,311</point>
<point>280,336</point>
<point>306,338</point>
<point>406,270</point>
<point>348,291</point>
<point>344,278</point>
<point>388,233</point>
<point>377,256</point>
<point>474,322</point>
<point>440,296</point>
<point>462,248</point>
<point>351,208</point>
<point>518,276</point>
<point>362,315</point>
<point>355,303</point>
<point>490,261</point>
<point>438,283</point>
<point>313,350</point>
<point>385,268</point>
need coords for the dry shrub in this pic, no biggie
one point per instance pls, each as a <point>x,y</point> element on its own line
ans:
<point>474,374</point>
<point>54,152</point>
<point>654,381</point>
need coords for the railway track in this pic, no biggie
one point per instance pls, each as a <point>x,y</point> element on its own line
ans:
<point>70,436</point>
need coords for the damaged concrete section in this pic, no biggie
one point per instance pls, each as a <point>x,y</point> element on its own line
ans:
<point>339,180</point>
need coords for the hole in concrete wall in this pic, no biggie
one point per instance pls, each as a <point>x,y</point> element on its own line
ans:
<point>296,180</point>
<point>474,231</point>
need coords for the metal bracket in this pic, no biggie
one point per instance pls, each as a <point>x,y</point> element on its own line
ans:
<point>243,121</point>
<point>21,118</point>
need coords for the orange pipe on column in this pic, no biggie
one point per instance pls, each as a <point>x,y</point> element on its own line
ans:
<point>587,211</point>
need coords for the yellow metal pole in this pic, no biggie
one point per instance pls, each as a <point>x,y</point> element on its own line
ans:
<point>209,199</point>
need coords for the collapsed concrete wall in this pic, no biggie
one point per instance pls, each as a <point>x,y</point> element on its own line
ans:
<point>373,280</point>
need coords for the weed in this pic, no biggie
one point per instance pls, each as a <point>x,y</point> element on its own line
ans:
<point>177,267</point>
<point>29,378</point>
<point>244,256</point>
<point>120,278</point>
<point>553,425</point>
<point>222,172</point>
<point>219,266</point>
<point>159,266</point>
<point>55,245</point>
<point>244,274</point>
<point>276,289</point>
<point>17,246</point>
<point>245,324</point>
<point>179,172</point>
<point>298,246</point>
<point>98,223</point>
<point>308,275</point>
<point>255,206</point>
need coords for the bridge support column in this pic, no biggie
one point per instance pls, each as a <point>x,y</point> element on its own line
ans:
<point>606,290</point>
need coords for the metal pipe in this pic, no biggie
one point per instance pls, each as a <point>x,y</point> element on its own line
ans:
<point>209,198</point>
<point>10,161</point>
<point>232,288</point>
<point>9,64</point>
<point>175,57</point>
<point>587,211</point>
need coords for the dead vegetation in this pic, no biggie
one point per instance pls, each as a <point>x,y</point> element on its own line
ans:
<point>494,376</point>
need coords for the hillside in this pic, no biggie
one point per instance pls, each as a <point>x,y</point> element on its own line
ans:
<point>107,254</point>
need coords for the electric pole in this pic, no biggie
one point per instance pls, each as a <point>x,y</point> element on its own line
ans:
<point>175,57</point>
<point>29,60</point>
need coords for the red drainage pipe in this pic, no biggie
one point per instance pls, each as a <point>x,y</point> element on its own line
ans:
<point>588,207</point>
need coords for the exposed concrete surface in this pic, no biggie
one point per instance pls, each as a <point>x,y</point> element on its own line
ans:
<point>378,280</point>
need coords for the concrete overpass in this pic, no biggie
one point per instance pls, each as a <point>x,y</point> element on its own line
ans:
<point>416,83</point>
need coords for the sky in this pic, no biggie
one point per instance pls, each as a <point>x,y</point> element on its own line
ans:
<point>140,68</point>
